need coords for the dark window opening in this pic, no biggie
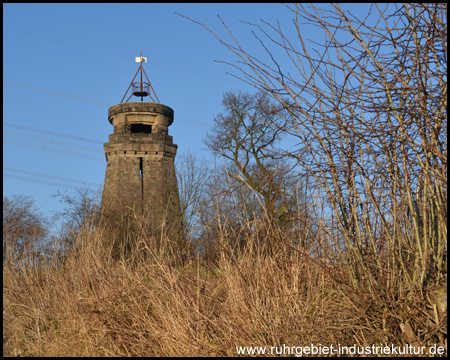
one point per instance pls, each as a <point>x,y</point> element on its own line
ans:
<point>141,128</point>
<point>141,177</point>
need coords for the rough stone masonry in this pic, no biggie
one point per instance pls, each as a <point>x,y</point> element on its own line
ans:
<point>140,173</point>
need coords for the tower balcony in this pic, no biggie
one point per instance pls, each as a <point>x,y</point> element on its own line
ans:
<point>141,89</point>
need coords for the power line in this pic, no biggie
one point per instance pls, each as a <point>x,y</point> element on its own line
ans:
<point>50,176</point>
<point>40,181</point>
<point>117,55</point>
<point>73,97</point>
<point>52,133</point>
<point>64,143</point>
<point>196,122</point>
<point>52,150</point>
<point>56,93</point>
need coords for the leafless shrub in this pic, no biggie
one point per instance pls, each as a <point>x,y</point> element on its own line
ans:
<point>368,106</point>
<point>24,229</point>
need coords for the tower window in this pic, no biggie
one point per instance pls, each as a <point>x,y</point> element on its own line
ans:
<point>141,128</point>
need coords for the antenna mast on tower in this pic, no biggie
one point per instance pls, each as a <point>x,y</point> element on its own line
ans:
<point>141,88</point>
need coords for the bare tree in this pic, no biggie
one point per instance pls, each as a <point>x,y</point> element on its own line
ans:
<point>192,176</point>
<point>369,107</point>
<point>80,209</point>
<point>24,228</point>
<point>252,187</point>
<point>246,135</point>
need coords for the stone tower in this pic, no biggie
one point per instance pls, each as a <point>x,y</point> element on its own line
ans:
<point>140,174</point>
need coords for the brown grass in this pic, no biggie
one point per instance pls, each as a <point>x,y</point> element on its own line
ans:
<point>88,304</point>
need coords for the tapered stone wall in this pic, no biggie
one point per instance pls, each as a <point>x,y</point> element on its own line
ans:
<point>140,174</point>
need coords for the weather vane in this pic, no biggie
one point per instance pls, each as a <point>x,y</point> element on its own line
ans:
<point>141,88</point>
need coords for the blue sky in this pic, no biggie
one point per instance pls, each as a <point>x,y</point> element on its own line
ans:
<point>65,64</point>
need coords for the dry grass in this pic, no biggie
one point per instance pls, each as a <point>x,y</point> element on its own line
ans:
<point>91,305</point>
